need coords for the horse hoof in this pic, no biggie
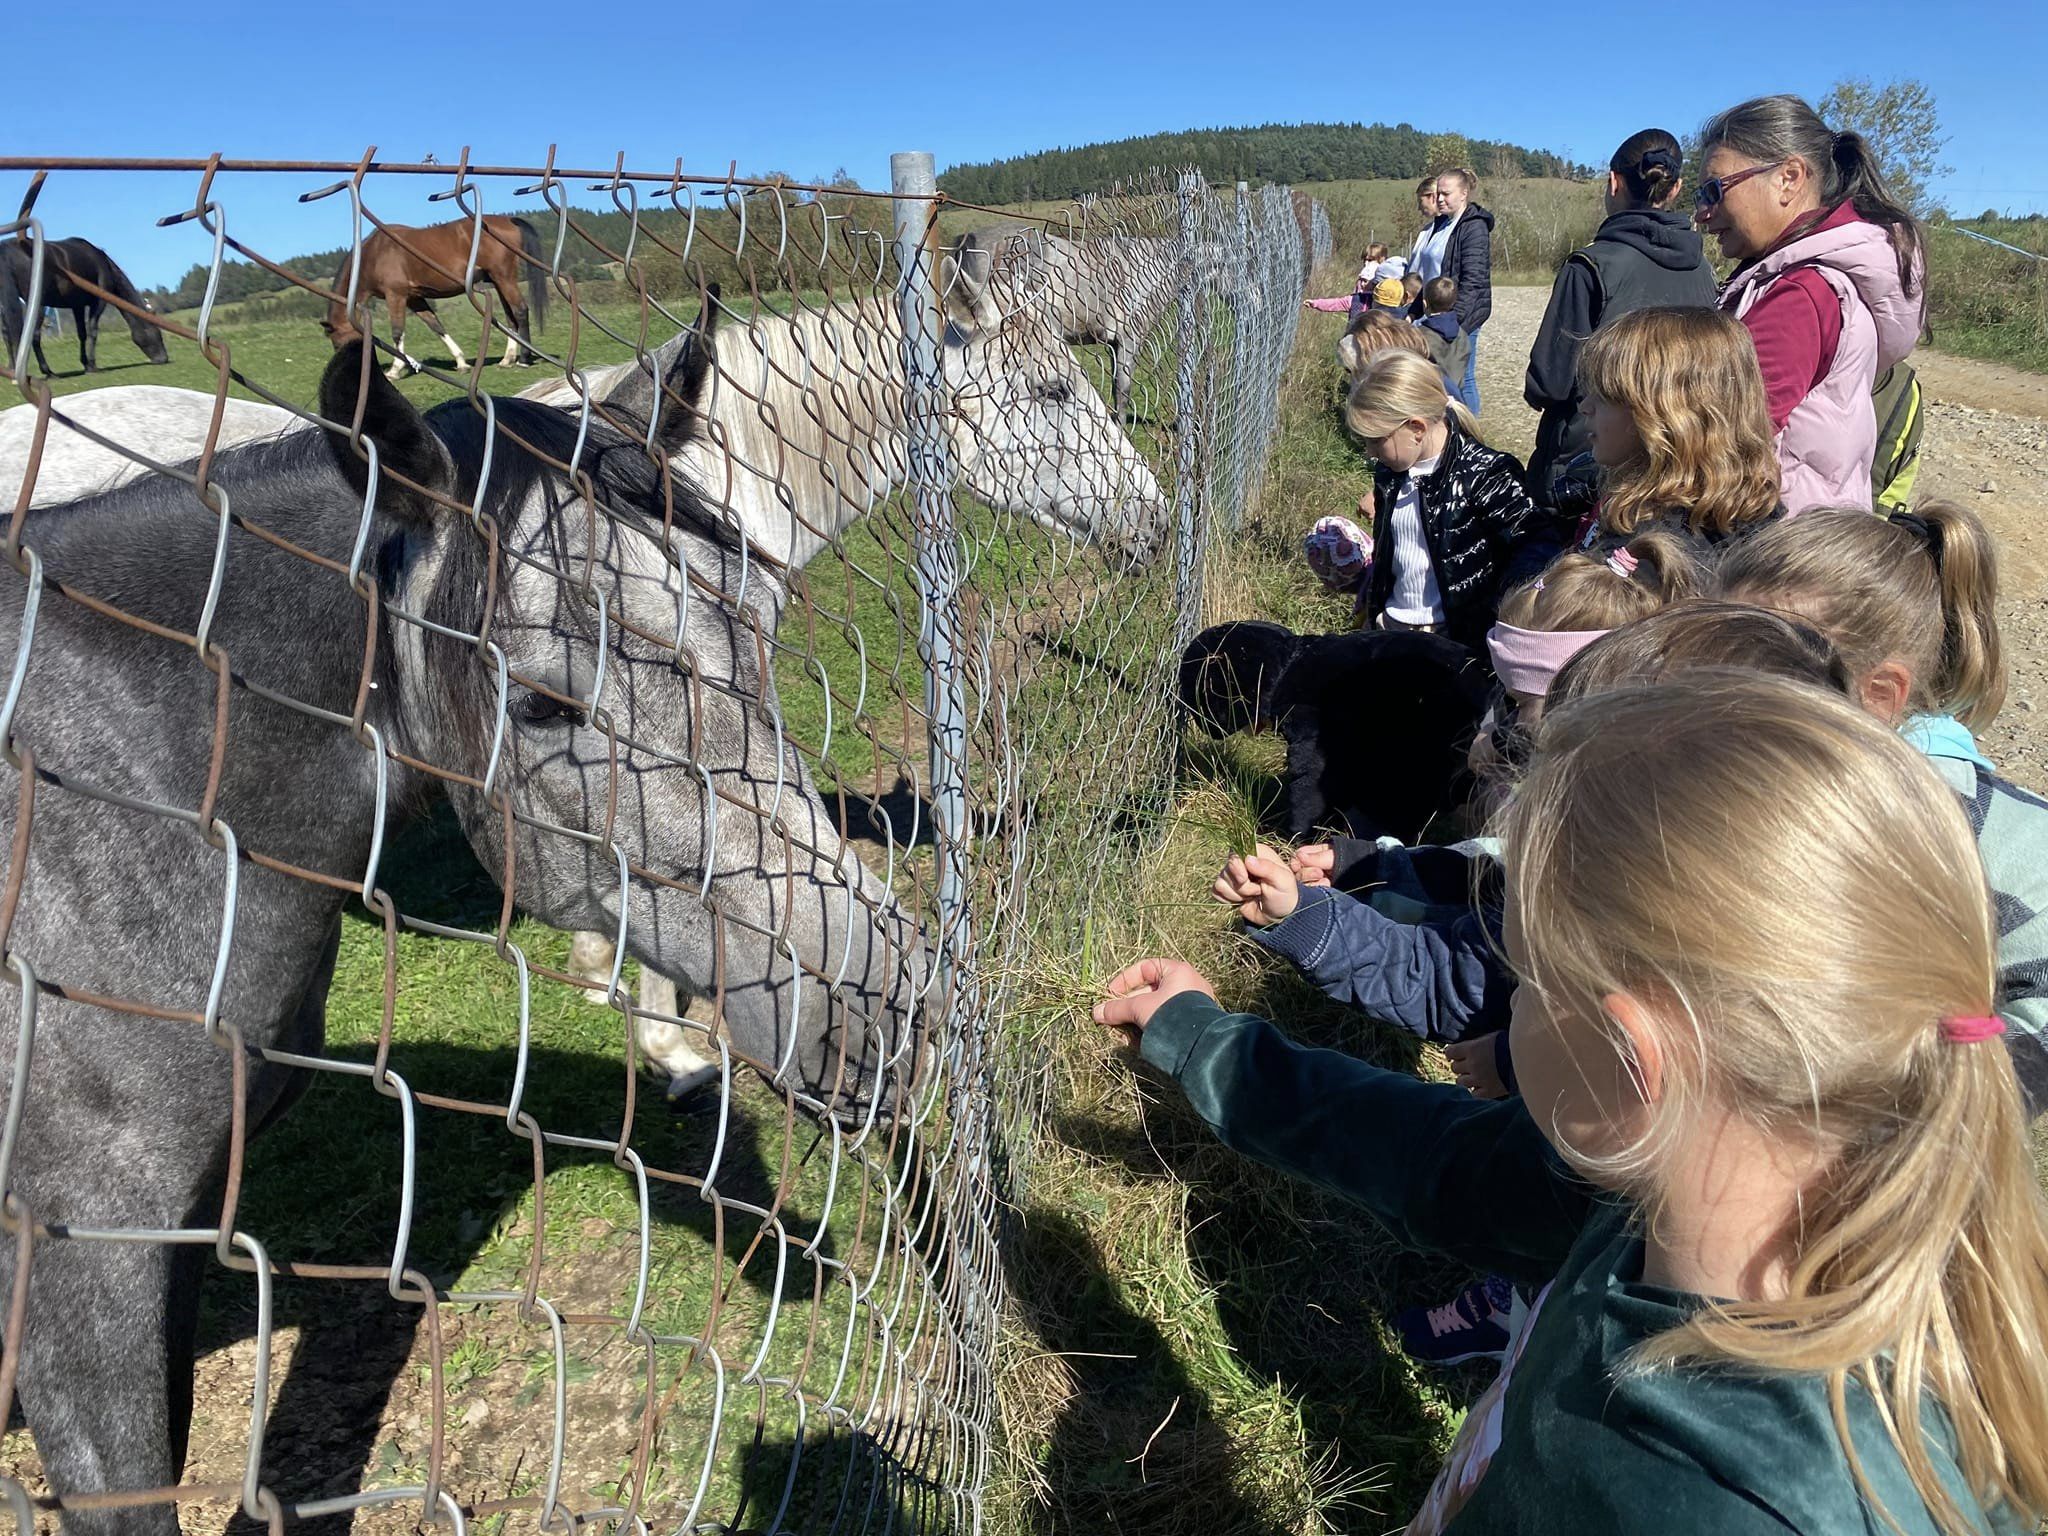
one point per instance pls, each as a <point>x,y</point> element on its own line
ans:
<point>687,1085</point>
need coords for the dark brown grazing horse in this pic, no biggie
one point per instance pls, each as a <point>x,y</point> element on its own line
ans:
<point>65,264</point>
<point>411,267</point>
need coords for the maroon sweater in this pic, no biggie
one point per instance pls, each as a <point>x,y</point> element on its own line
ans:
<point>1796,326</point>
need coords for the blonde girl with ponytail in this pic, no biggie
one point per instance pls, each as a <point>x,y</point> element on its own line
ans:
<point>1910,600</point>
<point>1451,515</point>
<point>1768,1165</point>
<point>1910,603</point>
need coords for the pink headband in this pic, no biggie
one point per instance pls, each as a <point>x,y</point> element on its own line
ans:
<point>1525,660</point>
<point>1969,1031</point>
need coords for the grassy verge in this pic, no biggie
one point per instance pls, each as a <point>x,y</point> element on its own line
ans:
<point>1986,302</point>
<point>1201,1346</point>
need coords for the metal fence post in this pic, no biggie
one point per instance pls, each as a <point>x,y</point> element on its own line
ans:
<point>915,186</point>
<point>1188,489</point>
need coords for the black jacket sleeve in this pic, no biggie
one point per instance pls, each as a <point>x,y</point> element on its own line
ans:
<point>1553,378</point>
<point>1470,262</point>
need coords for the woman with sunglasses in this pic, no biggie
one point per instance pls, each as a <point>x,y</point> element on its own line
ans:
<point>1830,283</point>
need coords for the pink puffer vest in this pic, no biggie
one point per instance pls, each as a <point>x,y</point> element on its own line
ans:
<point>1831,435</point>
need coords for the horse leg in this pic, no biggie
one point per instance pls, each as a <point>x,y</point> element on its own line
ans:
<point>87,317</point>
<point>1121,366</point>
<point>591,956</point>
<point>42,362</point>
<point>394,304</point>
<point>433,322</point>
<point>518,352</point>
<point>106,1373</point>
<point>665,1045</point>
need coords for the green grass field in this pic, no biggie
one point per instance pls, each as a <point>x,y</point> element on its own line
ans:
<point>1989,303</point>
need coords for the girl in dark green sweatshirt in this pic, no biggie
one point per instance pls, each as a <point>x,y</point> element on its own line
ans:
<point>1769,1167</point>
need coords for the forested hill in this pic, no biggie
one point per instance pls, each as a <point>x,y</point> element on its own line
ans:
<point>1289,152</point>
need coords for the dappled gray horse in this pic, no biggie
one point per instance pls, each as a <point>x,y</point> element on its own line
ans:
<point>1109,289</point>
<point>806,435</point>
<point>803,433</point>
<point>578,749</point>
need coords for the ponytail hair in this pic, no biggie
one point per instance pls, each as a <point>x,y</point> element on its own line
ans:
<point>1651,167</point>
<point>1920,588</point>
<point>1582,591</point>
<point>1685,844</point>
<point>1398,386</point>
<point>1778,128</point>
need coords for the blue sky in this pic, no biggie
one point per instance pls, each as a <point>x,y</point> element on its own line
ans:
<point>805,88</point>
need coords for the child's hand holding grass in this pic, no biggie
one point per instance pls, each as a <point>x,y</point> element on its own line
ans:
<point>1261,887</point>
<point>1136,992</point>
<point>1313,863</point>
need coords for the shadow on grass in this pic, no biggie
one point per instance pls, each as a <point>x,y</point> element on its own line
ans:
<point>323,1187</point>
<point>1135,1446</point>
<point>1305,1285</point>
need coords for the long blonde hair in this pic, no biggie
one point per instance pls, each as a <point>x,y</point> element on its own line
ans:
<point>1920,588</point>
<point>1736,849</point>
<point>1589,591</point>
<point>1690,380</point>
<point>1397,386</point>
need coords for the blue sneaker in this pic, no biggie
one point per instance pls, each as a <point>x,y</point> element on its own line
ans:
<point>1472,1325</point>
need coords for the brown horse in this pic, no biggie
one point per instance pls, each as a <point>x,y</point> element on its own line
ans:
<point>411,267</point>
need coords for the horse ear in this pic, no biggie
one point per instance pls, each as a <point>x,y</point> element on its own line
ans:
<point>406,445</point>
<point>683,366</point>
<point>966,276</point>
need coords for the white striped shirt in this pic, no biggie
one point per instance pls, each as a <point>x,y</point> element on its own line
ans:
<point>1415,598</point>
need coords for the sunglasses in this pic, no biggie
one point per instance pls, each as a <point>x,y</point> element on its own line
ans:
<point>1715,188</point>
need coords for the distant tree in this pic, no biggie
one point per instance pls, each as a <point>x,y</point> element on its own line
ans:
<point>1900,123</point>
<point>1446,152</point>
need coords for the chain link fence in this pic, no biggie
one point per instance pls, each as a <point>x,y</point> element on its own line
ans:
<point>620,826</point>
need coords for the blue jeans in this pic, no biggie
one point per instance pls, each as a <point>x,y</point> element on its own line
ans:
<point>1469,390</point>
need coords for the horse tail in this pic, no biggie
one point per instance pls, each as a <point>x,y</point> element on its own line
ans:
<point>536,279</point>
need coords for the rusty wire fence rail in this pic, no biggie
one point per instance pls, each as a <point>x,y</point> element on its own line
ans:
<point>781,664</point>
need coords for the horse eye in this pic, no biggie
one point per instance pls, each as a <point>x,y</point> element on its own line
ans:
<point>539,709</point>
<point>1052,391</point>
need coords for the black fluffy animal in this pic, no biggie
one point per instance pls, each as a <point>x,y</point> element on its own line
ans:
<point>1377,723</point>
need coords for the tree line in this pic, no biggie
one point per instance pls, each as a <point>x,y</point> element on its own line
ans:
<point>1278,152</point>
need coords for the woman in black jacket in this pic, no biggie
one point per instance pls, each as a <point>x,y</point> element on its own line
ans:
<point>1645,255</point>
<point>1468,262</point>
<point>1452,520</point>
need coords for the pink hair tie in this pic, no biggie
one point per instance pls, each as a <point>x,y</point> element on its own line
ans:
<point>1622,563</point>
<point>1969,1031</point>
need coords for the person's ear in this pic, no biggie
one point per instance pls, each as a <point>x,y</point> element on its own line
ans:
<point>1887,691</point>
<point>1632,1017</point>
<point>1791,178</point>
<point>1614,186</point>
